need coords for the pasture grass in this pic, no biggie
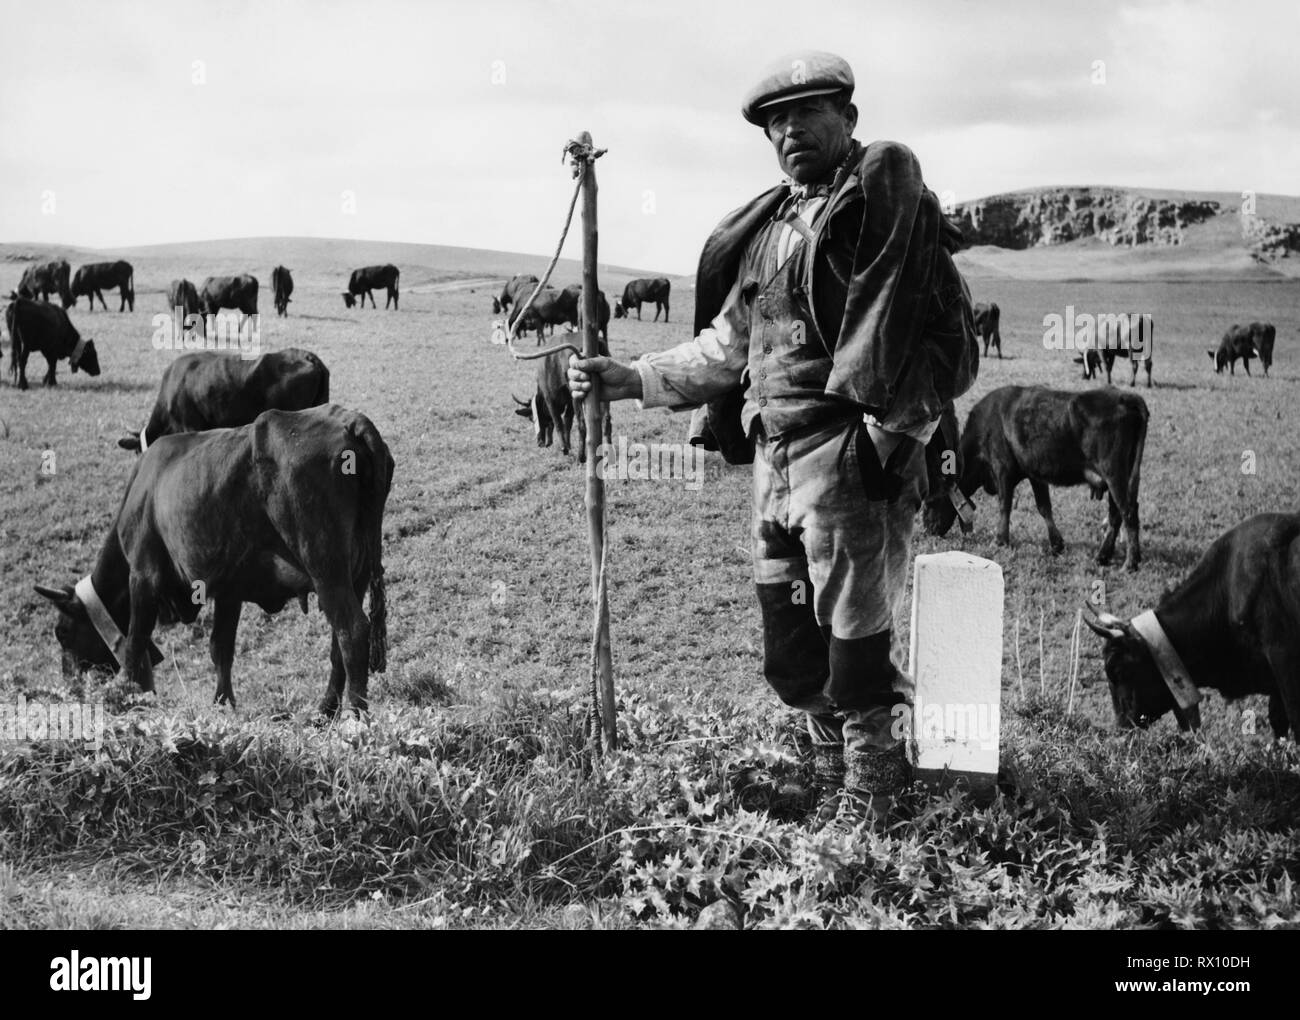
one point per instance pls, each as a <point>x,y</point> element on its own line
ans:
<point>467,799</point>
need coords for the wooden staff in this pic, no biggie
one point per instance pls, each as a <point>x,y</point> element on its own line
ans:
<point>592,410</point>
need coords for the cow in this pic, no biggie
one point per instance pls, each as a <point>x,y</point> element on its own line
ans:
<point>282,287</point>
<point>208,390</point>
<point>550,307</point>
<point>516,289</point>
<point>1054,437</point>
<point>96,277</point>
<point>988,317</point>
<point>552,405</point>
<point>46,278</point>
<point>1265,334</point>
<point>363,282</point>
<point>264,513</point>
<point>1126,335</point>
<point>1237,342</point>
<point>1233,625</point>
<point>40,326</point>
<point>183,299</point>
<point>237,292</point>
<point>644,290</point>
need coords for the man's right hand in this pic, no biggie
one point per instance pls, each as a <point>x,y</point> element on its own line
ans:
<point>617,381</point>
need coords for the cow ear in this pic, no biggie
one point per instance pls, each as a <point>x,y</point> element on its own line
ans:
<point>63,598</point>
<point>130,443</point>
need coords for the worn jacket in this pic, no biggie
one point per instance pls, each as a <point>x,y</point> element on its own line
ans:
<point>885,291</point>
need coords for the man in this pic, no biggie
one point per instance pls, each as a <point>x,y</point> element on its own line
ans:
<point>832,328</point>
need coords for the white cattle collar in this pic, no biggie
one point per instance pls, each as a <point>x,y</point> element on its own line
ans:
<point>103,621</point>
<point>1167,659</point>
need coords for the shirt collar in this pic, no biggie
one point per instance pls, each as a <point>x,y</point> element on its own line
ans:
<point>828,187</point>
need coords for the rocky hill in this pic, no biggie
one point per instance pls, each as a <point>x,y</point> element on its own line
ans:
<point>1109,232</point>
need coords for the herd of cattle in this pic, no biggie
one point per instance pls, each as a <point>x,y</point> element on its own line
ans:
<point>304,485</point>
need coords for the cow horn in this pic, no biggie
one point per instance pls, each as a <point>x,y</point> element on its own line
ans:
<point>1105,624</point>
<point>521,403</point>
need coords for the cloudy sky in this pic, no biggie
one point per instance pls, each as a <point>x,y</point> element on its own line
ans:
<point>442,122</point>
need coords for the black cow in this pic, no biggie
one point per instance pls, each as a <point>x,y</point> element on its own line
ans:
<point>644,290</point>
<point>40,326</point>
<point>268,512</point>
<point>1237,342</point>
<point>46,278</point>
<point>183,296</point>
<point>550,307</point>
<point>208,390</point>
<point>93,279</point>
<point>1052,437</point>
<point>364,281</point>
<point>553,405</point>
<point>282,287</point>
<point>987,320</point>
<point>516,289</point>
<point>1234,623</point>
<point>1265,334</point>
<point>1123,335</point>
<point>237,292</point>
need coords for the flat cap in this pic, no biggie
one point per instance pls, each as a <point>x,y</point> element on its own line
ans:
<point>809,73</point>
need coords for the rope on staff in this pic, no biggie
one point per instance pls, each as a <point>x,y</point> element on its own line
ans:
<point>580,153</point>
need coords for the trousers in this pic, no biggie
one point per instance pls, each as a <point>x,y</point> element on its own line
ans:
<point>831,538</point>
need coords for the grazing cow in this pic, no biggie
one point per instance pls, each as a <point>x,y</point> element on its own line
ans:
<point>644,290</point>
<point>1237,342</point>
<point>987,319</point>
<point>550,307</point>
<point>1130,336</point>
<point>93,279</point>
<point>516,289</point>
<point>1265,334</point>
<point>237,292</point>
<point>183,295</point>
<point>40,326</point>
<point>552,405</point>
<point>46,278</point>
<point>208,390</point>
<point>264,513</point>
<point>364,281</point>
<point>1052,437</point>
<point>1233,625</point>
<point>282,286</point>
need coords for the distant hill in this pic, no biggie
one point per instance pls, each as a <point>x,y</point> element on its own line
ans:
<point>314,262</point>
<point>1055,233</point>
<point>1104,233</point>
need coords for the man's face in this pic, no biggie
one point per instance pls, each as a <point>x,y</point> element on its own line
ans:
<point>811,136</point>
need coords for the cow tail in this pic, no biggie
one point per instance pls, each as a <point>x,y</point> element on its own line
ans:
<point>1135,469</point>
<point>381,476</point>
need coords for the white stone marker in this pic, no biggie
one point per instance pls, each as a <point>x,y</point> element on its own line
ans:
<point>956,666</point>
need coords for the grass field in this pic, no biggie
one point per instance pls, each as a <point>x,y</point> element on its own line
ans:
<point>464,801</point>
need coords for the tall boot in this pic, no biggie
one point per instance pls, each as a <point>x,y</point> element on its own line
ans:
<point>828,781</point>
<point>873,779</point>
